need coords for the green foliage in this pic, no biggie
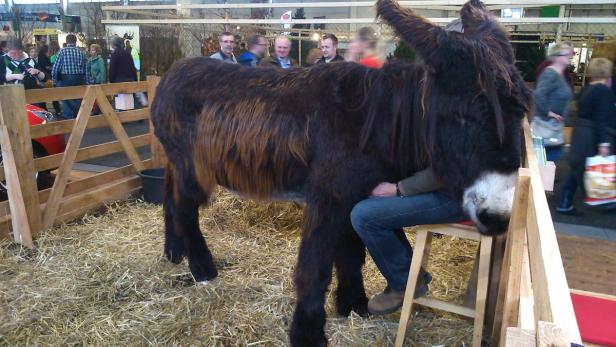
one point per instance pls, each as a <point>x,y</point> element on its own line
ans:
<point>403,52</point>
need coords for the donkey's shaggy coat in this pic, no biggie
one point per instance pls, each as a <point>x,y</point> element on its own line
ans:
<point>331,133</point>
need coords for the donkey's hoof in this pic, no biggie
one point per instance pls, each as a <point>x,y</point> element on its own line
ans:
<point>203,272</point>
<point>174,257</point>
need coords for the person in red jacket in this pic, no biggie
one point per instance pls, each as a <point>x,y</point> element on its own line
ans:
<point>362,48</point>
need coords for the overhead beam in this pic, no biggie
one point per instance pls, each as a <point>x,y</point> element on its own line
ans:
<point>511,21</point>
<point>415,4</point>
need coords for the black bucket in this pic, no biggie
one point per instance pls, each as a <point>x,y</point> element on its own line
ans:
<point>153,181</point>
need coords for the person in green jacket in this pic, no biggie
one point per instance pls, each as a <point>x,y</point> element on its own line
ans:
<point>95,71</point>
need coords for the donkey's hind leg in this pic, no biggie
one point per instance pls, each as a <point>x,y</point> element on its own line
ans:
<point>189,196</point>
<point>174,242</point>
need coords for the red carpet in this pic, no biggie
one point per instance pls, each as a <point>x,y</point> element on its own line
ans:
<point>596,318</point>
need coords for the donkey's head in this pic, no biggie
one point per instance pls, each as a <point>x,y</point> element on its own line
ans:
<point>473,102</point>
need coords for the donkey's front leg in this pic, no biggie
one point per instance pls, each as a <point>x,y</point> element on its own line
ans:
<point>313,274</point>
<point>349,259</point>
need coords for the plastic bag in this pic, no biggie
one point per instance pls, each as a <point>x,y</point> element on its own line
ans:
<point>600,180</point>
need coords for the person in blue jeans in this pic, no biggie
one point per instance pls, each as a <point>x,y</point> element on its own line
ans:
<point>379,220</point>
<point>70,70</point>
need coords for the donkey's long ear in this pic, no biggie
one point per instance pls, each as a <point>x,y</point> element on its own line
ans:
<point>412,28</point>
<point>474,13</point>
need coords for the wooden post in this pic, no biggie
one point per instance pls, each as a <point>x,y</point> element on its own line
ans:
<point>13,115</point>
<point>57,191</point>
<point>509,291</point>
<point>159,159</point>
<point>19,217</point>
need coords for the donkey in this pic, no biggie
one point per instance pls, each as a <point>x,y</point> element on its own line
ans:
<point>331,133</point>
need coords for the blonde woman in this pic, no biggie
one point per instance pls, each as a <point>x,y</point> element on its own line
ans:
<point>591,132</point>
<point>95,70</point>
<point>552,98</point>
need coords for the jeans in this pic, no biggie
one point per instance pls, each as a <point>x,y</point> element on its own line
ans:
<point>70,108</point>
<point>553,153</point>
<point>379,223</point>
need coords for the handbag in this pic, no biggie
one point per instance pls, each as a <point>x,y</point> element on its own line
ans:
<point>550,130</point>
<point>600,180</point>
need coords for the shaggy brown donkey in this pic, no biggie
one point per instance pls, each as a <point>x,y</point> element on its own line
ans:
<point>330,133</point>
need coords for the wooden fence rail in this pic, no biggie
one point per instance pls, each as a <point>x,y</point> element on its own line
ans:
<point>32,211</point>
<point>534,301</point>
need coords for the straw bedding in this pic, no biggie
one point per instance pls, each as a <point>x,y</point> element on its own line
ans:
<point>102,280</point>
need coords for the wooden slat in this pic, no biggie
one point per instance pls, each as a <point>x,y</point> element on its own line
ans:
<point>87,153</point>
<point>21,226</point>
<point>550,288</point>
<point>515,242</point>
<point>67,93</point>
<point>99,195</point>
<point>68,159</point>
<point>14,117</point>
<point>74,188</point>
<point>422,239</point>
<point>158,152</point>
<point>117,128</point>
<point>526,315</point>
<point>65,126</point>
<point>90,152</point>
<point>446,306</point>
<point>455,230</point>
<point>482,289</point>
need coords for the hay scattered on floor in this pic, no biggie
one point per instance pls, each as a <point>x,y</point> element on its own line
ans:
<point>102,280</point>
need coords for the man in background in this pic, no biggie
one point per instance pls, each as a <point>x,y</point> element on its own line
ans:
<point>227,44</point>
<point>70,70</point>
<point>257,44</point>
<point>281,59</point>
<point>329,48</point>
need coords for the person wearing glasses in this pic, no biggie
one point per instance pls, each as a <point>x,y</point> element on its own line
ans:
<point>257,44</point>
<point>552,98</point>
<point>227,44</point>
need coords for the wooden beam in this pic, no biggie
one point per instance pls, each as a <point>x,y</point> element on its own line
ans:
<point>412,4</point>
<point>117,128</point>
<point>482,289</point>
<point>66,126</point>
<point>369,20</point>
<point>446,306</point>
<point>68,159</point>
<point>68,93</point>
<point>422,238</point>
<point>87,153</point>
<point>13,116</point>
<point>516,236</point>
<point>526,315</point>
<point>20,223</point>
<point>75,188</point>
<point>159,157</point>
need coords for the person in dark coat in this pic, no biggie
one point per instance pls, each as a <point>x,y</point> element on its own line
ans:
<point>257,45</point>
<point>329,48</point>
<point>593,130</point>
<point>121,65</point>
<point>281,59</point>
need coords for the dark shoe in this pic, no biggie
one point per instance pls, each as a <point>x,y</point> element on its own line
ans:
<point>569,211</point>
<point>390,300</point>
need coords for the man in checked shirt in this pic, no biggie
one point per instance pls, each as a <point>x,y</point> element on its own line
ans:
<point>70,70</point>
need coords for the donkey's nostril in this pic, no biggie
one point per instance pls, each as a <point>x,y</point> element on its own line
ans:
<point>495,223</point>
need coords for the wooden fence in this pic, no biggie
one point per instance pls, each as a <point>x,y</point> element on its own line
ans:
<point>32,211</point>
<point>533,306</point>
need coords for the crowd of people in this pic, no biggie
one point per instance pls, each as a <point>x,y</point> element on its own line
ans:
<point>42,65</point>
<point>362,49</point>
<point>594,128</point>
